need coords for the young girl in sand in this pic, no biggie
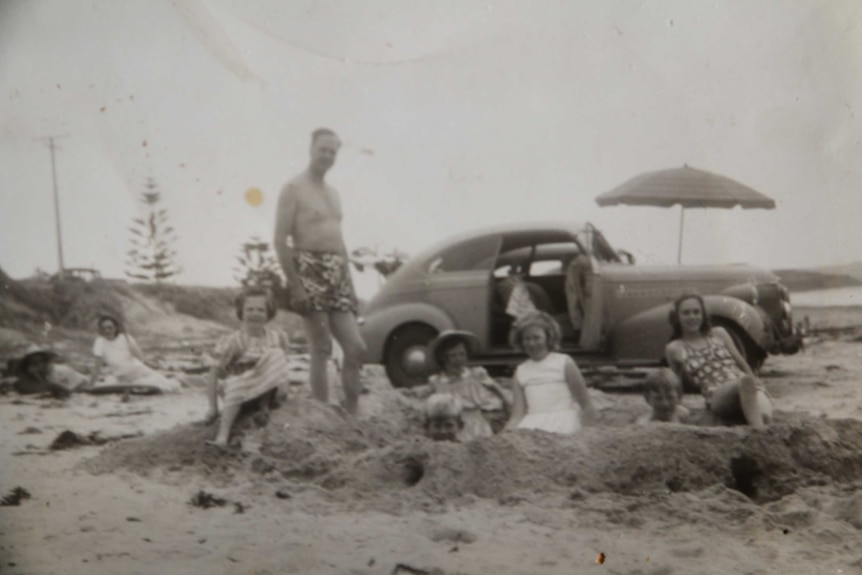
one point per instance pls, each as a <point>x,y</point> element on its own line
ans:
<point>252,362</point>
<point>118,355</point>
<point>479,395</point>
<point>707,356</point>
<point>549,383</point>
<point>662,391</point>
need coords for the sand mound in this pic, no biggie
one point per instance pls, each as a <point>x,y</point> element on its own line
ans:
<point>385,452</point>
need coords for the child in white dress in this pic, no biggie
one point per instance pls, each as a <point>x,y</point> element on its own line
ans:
<point>550,392</point>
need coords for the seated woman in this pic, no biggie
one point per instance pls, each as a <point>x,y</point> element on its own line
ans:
<point>482,400</point>
<point>707,356</point>
<point>119,358</point>
<point>36,373</point>
<point>252,362</point>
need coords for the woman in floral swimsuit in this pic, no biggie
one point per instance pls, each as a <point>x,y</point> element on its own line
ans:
<point>708,358</point>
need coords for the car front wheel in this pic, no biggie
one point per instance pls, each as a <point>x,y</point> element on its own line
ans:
<point>406,359</point>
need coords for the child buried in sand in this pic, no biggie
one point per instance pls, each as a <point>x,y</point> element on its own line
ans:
<point>480,397</point>
<point>252,363</point>
<point>549,383</point>
<point>443,420</point>
<point>662,391</point>
<point>118,355</point>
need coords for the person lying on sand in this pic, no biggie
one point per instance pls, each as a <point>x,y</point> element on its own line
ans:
<point>443,420</point>
<point>252,363</point>
<point>662,391</point>
<point>482,400</point>
<point>548,384</point>
<point>707,356</point>
<point>37,373</point>
<point>121,362</point>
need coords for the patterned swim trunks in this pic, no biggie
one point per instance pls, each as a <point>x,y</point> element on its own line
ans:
<point>326,280</point>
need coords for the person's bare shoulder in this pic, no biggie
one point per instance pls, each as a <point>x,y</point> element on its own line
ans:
<point>293,186</point>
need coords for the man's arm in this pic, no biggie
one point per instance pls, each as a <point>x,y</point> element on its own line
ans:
<point>285,215</point>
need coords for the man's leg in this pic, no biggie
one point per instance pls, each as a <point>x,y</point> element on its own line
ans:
<point>320,348</point>
<point>346,331</point>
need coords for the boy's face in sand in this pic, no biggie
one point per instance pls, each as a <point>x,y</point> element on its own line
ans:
<point>690,316</point>
<point>443,428</point>
<point>254,310</point>
<point>456,358</point>
<point>663,401</point>
<point>107,329</point>
<point>535,342</point>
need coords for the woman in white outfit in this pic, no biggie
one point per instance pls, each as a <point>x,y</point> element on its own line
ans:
<point>121,360</point>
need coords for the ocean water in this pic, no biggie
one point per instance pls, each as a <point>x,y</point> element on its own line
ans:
<point>835,297</point>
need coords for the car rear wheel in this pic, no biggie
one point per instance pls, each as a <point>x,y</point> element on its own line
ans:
<point>407,355</point>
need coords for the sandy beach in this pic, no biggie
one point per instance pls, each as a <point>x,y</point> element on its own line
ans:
<point>137,491</point>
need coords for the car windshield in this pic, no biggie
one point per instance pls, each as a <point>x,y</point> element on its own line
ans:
<point>597,245</point>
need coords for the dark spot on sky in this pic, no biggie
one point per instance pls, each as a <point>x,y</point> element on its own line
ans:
<point>144,143</point>
<point>59,87</point>
<point>102,109</point>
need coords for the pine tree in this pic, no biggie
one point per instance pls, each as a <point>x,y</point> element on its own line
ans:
<point>258,266</point>
<point>151,257</point>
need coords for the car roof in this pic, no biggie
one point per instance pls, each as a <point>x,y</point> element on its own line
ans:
<point>542,227</point>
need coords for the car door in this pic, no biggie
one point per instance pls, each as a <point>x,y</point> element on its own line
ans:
<point>461,279</point>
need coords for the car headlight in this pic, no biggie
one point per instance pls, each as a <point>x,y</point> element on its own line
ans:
<point>360,320</point>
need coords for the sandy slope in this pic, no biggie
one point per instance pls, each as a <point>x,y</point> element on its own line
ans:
<point>320,495</point>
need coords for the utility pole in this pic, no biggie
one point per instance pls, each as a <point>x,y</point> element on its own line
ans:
<point>52,146</point>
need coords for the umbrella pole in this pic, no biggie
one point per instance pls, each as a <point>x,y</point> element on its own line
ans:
<point>681,224</point>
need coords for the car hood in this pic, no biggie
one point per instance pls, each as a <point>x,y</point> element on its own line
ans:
<point>724,273</point>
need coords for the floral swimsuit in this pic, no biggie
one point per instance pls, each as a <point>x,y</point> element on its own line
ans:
<point>710,366</point>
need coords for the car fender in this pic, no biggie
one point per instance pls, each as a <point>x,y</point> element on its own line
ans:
<point>377,327</point>
<point>645,334</point>
<point>747,317</point>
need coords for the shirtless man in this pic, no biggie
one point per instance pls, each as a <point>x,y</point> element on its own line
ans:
<point>312,253</point>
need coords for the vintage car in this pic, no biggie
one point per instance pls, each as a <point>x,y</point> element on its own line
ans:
<point>611,311</point>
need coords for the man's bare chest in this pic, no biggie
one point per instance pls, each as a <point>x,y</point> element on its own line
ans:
<point>319,205</point>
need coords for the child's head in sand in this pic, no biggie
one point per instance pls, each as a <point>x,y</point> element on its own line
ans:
<point>443,417</point>
<point>662,391</point>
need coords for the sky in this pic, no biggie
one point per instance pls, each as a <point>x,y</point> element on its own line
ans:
<point>455,114</point>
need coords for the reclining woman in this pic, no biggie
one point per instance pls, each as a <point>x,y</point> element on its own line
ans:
<point>37,374</point>
<point>707,357</point>
<point>119,358</point>
<point>252,363</point>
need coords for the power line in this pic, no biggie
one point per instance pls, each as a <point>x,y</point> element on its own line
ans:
<point>52,146</point>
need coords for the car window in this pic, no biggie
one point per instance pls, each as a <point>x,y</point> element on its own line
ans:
<point>474,254</point>
<point>546,268</point>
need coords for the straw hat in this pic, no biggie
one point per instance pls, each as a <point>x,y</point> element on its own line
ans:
<point>469,338</point>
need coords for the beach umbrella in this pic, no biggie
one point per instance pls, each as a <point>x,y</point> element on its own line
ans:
<point>687,187</point>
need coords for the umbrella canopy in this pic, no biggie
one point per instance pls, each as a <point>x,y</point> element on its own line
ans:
<point>688,187</point>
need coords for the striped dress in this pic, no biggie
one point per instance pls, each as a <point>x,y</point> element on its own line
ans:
<point>251,366</point>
